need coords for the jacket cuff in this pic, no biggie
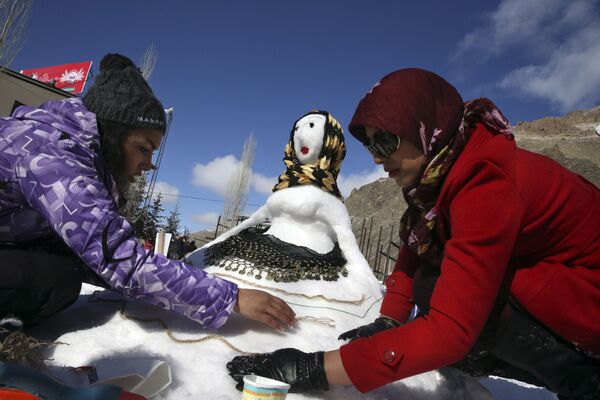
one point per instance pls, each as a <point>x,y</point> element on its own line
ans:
<point>374,361</point>
<point>223,311</point>
<point>397,302</point>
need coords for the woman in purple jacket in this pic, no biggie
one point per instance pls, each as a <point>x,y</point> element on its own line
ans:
<point>63,170</point>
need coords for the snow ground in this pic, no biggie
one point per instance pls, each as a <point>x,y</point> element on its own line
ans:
<point>93,333</point>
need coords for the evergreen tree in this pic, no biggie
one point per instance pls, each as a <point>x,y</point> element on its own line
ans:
<point>154,218</point>
<point>135,199</point>
<point>133,210</point>
<point>173,220</point>
<point>146,222</point>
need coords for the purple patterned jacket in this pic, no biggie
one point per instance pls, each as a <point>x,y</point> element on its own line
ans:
<point>52,178</point>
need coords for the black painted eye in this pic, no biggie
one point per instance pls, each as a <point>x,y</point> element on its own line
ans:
<point>296,128</point>
<point>312,124</point>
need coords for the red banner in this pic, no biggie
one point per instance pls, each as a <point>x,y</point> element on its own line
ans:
<point>68,77</point>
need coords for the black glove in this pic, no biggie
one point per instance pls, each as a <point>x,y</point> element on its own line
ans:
<point>305,372</point>
<point>380,324</point>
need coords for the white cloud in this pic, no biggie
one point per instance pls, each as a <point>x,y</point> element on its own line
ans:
<point>216,175</point>
<point>263,184</point>
<point>514,21</point>
<point>209,218</point>
<point>561,39</point>
<point>570,78</point>
<point>347,183</point>
<point>168,191</point>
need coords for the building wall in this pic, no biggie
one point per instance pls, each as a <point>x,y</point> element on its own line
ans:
<point>16,89</point>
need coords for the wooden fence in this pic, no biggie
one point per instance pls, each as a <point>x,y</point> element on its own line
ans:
<point>379,243</point>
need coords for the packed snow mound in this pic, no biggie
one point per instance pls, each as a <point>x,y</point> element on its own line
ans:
<point>93,333</point>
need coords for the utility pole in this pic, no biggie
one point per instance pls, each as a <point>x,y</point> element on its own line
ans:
<point>161,149</point>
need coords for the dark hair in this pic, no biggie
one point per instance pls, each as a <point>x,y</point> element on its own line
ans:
<point>112,137</point>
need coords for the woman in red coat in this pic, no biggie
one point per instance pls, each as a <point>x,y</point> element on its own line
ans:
<point>501,254</point>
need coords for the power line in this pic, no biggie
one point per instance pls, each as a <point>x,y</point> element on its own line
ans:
<point>151,185</point>
<point>202,198</point>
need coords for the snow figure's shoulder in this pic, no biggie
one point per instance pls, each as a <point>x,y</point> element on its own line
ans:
<point>306,200</point>
<point>303,193</point>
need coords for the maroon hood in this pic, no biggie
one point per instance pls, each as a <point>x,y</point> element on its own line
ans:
<point>408,100</point>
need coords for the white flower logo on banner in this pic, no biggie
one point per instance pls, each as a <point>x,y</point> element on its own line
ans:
<point>71,76</point>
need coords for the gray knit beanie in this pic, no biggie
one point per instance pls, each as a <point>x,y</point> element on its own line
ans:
<point>121,94</point>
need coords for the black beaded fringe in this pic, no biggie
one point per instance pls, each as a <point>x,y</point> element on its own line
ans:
<point>257,255</point>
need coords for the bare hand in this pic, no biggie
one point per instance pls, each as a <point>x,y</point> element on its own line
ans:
<point>263,307</point>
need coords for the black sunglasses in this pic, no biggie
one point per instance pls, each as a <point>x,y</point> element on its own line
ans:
<point>382,143</point>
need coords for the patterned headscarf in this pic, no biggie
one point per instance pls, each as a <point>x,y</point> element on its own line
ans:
<point>324,172</point>
<point>421,107</point>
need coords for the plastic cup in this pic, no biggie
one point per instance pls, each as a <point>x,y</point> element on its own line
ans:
<point>261,388</point>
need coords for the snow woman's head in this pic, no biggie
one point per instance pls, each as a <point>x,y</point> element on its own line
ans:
<point>308,135</point>
<point>317,139</point>
<point>314,152</point>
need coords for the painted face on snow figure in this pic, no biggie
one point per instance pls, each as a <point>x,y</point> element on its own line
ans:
<point>308,138</point>
<point>314,153</point>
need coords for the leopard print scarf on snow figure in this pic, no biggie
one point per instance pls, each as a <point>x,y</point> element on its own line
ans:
<point>324,172</point>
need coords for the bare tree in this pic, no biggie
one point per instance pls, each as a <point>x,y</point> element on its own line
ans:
<point>237,189</point>
<point>149,61</point>
<point>14,15</point>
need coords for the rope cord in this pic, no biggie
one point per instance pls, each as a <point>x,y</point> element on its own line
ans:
<point>94,298</point>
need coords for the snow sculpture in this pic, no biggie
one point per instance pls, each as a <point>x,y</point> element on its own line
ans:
<point>309,235</point>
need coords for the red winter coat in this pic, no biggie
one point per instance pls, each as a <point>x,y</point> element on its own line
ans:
<point>501,208</point>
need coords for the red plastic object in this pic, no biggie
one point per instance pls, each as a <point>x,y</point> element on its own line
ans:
<point>126,396</point>
<point>13,394</point>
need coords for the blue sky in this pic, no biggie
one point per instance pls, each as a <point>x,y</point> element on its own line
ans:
<point>232,68</point>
